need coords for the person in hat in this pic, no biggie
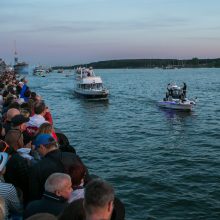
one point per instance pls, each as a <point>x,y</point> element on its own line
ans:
<point>14,137</point>
<point>8,191</point>
<point>53,160</point>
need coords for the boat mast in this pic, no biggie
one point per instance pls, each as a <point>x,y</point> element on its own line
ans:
<point>15,55</point>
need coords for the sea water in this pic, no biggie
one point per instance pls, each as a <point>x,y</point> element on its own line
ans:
<point>163,164</point>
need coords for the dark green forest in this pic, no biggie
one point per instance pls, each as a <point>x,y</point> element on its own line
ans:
<point>149,63</point>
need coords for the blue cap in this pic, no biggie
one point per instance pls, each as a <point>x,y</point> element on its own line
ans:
<point>43,139</point>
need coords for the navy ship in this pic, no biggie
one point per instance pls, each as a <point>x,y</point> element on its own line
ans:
<point>20,68</point>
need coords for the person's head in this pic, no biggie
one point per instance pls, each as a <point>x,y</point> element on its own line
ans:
<point>42,216</point>
<point>39,108</point>
<point>14,105</point>
<point>77,173</point>
<point>3,161</point>
<point>33,95</point>
<point>45,128</point>
<point>98,200</point>
<point>59,184</point>
<point>19,121</point>
<point>11,113</point>
<point>27,93</point>
<point>44,143</point>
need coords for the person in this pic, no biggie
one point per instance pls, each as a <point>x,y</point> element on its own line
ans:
<point>99,200</point>
<point>53,160</point>
<point>170,90</point>
<point>58,188</point>
<point>47,128</point>
<point>184,89</point>
<point>16,169</point>
<point>99,203</point>
<point>42,216</point>
<point>9,115</point>
<point>37,119</point>
<point>14,137</point>
<point>24,89</point>
<point>8,191</point>
<point>77,173</point>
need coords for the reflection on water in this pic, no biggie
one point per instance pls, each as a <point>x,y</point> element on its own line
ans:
<point>176,114</point>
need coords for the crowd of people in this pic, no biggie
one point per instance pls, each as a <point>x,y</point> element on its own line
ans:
<point>41,175</point>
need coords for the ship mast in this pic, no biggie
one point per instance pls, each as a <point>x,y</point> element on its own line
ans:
<point>15,55</point>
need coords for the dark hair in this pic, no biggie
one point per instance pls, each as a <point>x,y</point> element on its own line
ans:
<point>14,105</point>
<point>27,93</point>
<point>97,194</point>
<point>77,172</point>
<point>39,107</point>
<point>33,95</point>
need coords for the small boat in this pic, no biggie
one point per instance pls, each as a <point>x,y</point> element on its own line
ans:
<point>176,99</point>
<point>89,86</point>
<point>39,71</point>
<point>60,71</point>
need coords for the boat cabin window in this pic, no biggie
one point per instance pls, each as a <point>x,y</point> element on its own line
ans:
<point>90,86</point>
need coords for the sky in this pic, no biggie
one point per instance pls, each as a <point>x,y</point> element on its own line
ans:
<point>69,32</point>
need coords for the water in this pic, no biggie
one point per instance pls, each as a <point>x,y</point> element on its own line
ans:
<point>163,164</point>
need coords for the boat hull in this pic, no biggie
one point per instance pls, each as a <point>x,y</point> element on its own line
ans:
<point>21,68</point>
<point>95,95</point>
<point>175,105</point>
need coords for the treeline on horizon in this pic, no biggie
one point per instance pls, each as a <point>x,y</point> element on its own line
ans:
<point>149,63</point>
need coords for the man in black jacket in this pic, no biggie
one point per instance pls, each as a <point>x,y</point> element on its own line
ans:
<point>53,161</point>
<point>58,188</point>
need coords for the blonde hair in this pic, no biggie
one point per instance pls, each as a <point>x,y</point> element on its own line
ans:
<point>45,128</point>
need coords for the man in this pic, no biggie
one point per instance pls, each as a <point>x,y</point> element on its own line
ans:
<point>37,119</point>
<point>53,160</point>
<point>184,89</point>
<point>9,115</point>
<point>99,200</point>
<point>99,203</point>
<point>14,136</point>
<point>58,188</point>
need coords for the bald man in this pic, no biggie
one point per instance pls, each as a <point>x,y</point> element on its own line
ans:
<point>9,115</point>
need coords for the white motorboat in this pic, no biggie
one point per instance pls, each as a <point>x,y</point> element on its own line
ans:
<point>39,71</point>
<point>176,99</point>
<point>89,86</point>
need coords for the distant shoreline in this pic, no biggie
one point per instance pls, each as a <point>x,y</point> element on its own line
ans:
<point>149,64</point>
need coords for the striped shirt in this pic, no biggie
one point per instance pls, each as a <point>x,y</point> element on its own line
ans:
<point>9,194</point>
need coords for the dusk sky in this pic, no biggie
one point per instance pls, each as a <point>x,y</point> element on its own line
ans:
<point>65,32</point>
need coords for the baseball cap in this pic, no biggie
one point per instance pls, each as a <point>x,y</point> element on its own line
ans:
<point>43,139</point>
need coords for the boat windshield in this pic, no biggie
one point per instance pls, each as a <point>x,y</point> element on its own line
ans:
<point>176,93</point>
<point>91,86</point>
